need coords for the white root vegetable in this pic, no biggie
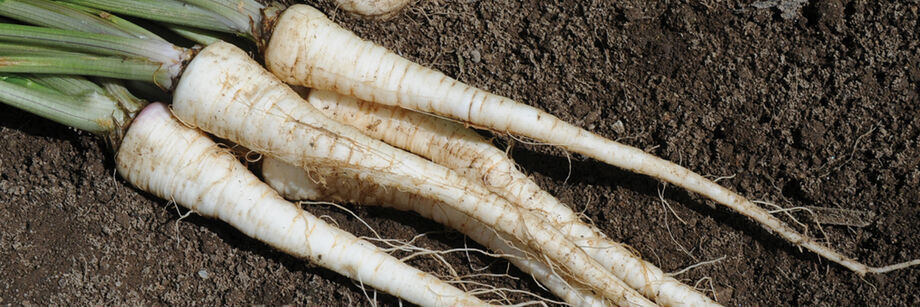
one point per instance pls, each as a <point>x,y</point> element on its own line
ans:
<point>161,156</point>
<point>295,183</point>
<point>372,8</point>
<point>463,150</point>
<point>310,50</point>
<point>226,93</point>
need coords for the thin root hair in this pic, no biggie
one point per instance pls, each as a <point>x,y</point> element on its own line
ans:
<point>696,265</point>
<point>711,287</point>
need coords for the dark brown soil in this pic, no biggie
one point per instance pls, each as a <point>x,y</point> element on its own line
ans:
<point>815,107</point>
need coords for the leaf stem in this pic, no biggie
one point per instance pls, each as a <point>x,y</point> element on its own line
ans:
<point>91,112</point>
<point>70,17</point>
<point>242,13</point>
<point>111,67</point>
<point>170,11</point>
<point>136,51</point>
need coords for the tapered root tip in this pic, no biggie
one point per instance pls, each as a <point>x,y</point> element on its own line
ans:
<point>373,8</point>
<point>893,267</point>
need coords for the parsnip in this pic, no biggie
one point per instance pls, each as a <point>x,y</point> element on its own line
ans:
<point>310,50</point>
<point>116,45</point>
<point>295,183</point>
<point>63,38</point>
<point>463,150</point>
<point>226,93</point>
<point>160,155</point>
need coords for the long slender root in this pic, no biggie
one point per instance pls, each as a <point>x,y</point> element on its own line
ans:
<point>463,150</point>
<point>265,115</point>
<point>163,157</point>
<point>295,183</point>
<point>308,49</point>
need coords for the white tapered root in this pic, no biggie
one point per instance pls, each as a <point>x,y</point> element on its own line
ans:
<point>310,50</point>
<point>463,150</point>
<point>295,183</point>
<point>161,156</point>
<point>226,93</point>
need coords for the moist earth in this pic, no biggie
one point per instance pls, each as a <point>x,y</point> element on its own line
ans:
<point>793,103</point>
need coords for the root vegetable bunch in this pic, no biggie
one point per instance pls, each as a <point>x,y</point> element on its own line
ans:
<point>363,133</point>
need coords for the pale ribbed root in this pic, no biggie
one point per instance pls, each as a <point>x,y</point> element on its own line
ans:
<point>308,49</point>
<point>162,156</point>
<point>224,92</point>
<point>463,150</point>
<point>372,8</point>
<point>296,184</point>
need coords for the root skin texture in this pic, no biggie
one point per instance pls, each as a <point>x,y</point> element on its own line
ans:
<point>463,150</point>
<point>310,50</point>
<point>295,183</point>
<point>163,157</point>
<point>372,8</point>
<point>226,93</point>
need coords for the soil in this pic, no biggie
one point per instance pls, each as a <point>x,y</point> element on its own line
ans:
<point>813,105</point>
